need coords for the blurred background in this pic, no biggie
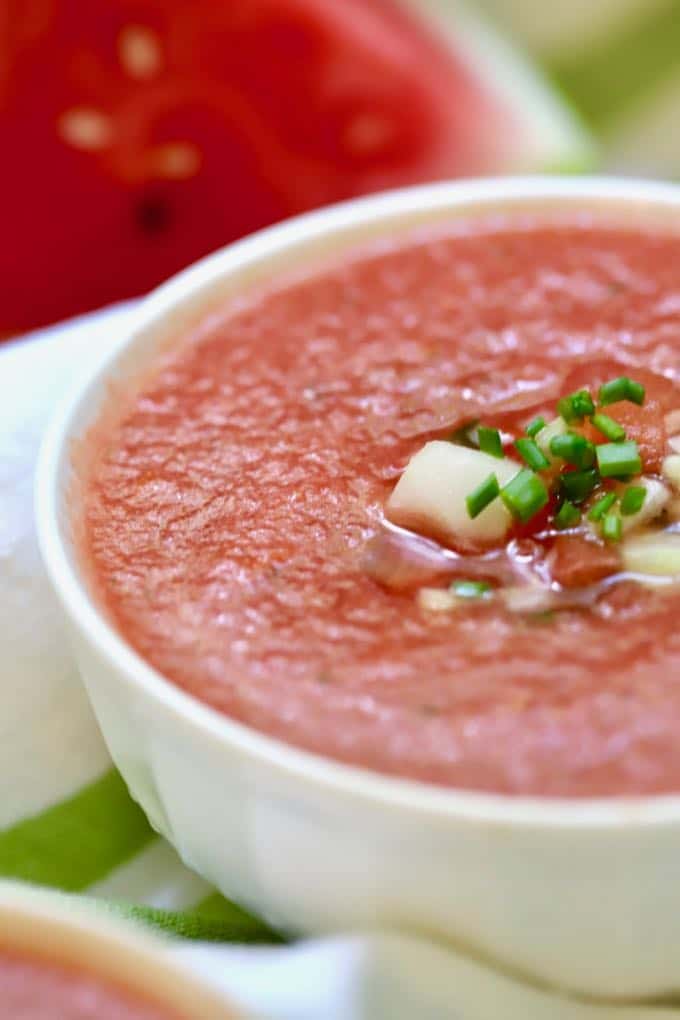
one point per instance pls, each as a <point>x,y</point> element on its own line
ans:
<point>137,135</point>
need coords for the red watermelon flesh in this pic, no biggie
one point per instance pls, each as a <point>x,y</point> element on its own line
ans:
<point>137,135</point>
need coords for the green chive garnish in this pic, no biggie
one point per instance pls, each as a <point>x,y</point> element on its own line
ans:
<point>573,448</point>
<point>490,441</point>
<point>633,500</point>
<point>609,428</point>
<point>622,388</point>
<point>576,406</point>
<point>465,589</point>
<point>577,485</point>
<point>532,454</point>
<point>525,495</point>
<point>535,426</point>
<point>612,528</point>
<point>482,496</point>
<point>568,516</point>
<point>618,460</point>
<point>602,507</point>
<point>613,391</point>
<point>636,392</point>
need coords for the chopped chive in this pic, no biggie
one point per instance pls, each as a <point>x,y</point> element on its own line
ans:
<point>532,454</point>
<point>633,500</point>
<point>465,589</point>
<point>565,410</point>
<point>568,516</point>
<point>618,460</point>
<point>490,441</point>
<point>602,507</point>
<point>484,494</point>
<point>525,495</point>
<point>577,485</point>
<point>612,528</point>
<point>613,391</point>
<point>636,392</point>
<point>576,406</point>
<point>573,448</point>
<point>622,388</point>
<point>609,428</point>
<point>535,426</point>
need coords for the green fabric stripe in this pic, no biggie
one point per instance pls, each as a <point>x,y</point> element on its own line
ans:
<point>213,920</point>
<point>75,844</point>
<point>629,63</point>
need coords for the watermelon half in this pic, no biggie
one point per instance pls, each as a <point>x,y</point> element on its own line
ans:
<point>137,135</point>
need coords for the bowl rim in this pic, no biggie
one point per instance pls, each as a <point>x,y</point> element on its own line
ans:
<point>453,198</point>
<point>46,924</point>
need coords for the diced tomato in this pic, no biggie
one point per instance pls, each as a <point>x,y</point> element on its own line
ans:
<point>643,424</point>
<point>575,561</point>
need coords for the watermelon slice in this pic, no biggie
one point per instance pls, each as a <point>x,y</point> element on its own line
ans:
<point>137,135</point>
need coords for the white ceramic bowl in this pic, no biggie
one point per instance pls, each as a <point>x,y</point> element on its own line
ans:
<point>582,894</point>
<point>59,929</point>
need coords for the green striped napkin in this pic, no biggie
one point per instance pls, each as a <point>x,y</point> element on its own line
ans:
<point>99,842</point>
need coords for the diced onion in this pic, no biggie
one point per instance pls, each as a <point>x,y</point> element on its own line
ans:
<point>437,600</point>
<point>530,598</point>
<point>671,470</point>
<point>657,554</point>
<point>430,497</point>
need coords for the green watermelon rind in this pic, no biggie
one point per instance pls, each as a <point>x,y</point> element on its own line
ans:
<point>644,139</point>
<point>623,69</point>
<point>556,139</point>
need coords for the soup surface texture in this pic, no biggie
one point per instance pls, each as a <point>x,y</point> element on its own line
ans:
<point>226,509</point>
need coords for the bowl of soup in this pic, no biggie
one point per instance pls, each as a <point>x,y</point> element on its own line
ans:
<point>367,536</point>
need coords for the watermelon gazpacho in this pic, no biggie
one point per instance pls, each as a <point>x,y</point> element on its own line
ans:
<point>418,510</point>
